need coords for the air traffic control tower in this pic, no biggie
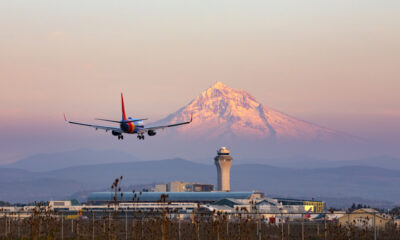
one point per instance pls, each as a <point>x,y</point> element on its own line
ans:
<point>223,162</point>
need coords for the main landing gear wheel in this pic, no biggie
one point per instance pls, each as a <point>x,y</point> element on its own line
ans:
<point>141,137</point>
<point>120,137</point>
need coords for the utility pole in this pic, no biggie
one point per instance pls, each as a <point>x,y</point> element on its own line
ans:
<point>126,225</point>
<point>302,226</point>
<point>62,226</point>
<point>374,226</point>
<point>325,230</point>
<point>93,225</point>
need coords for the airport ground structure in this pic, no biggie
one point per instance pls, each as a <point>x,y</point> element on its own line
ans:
<point>223,162</point>
<point>183,204</point>
<point>227,202</point>
<point>179,186</point>
<point>62,220</point>
<point>192,215</point>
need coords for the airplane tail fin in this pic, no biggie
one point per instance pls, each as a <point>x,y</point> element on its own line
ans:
<point>123,107</point>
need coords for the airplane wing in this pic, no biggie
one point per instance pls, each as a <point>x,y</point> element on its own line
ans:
<point>143,130</point>
<point>105,128</point>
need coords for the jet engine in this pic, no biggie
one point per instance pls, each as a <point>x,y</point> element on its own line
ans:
<point>151,132</point>
<point>115,133</point>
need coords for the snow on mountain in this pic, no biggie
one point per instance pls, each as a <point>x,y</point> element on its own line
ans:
<point>223,112</point>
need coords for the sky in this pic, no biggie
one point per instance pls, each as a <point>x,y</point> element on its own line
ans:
<point>334,63</point>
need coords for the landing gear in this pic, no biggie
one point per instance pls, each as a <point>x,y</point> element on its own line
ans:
<point>120,137</point>
<point>141,137</point>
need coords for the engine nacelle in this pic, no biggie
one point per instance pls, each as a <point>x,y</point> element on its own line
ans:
<point>151,132</point>
<point>115,133</point>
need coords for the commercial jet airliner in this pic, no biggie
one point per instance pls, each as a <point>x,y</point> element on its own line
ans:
<point>129,125</point>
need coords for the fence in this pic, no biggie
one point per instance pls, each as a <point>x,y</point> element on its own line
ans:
<point>198,226</point>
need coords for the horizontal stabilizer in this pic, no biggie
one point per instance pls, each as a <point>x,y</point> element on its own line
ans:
<point>134,120</point>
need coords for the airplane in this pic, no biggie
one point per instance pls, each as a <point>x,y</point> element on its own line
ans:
<point>129,125</point>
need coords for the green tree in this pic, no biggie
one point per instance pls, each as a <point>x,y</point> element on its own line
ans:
<point>74,202</point>
<point>395,211</point>
<point>4,204</point>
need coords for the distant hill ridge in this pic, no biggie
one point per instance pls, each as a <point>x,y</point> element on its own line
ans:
<point>53,161</point>
<point>349,181</point>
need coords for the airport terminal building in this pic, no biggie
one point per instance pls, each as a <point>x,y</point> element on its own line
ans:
<point>194,197</point>
<point>219,201</point>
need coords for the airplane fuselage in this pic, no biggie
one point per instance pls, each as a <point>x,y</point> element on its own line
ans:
<point>131,127</point>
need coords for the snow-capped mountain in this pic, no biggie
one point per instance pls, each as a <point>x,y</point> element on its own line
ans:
<point>223,112</point>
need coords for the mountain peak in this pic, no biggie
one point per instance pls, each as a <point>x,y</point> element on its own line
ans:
<point>223,94</point>
<point>221,112</point>
<point>219,85</point>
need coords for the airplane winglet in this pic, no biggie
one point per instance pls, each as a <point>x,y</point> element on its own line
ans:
<point>65,118</point>
<point>191,117</point>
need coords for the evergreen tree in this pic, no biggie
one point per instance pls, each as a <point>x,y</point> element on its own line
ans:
<point>4,204</point>
<point>395,211</point>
